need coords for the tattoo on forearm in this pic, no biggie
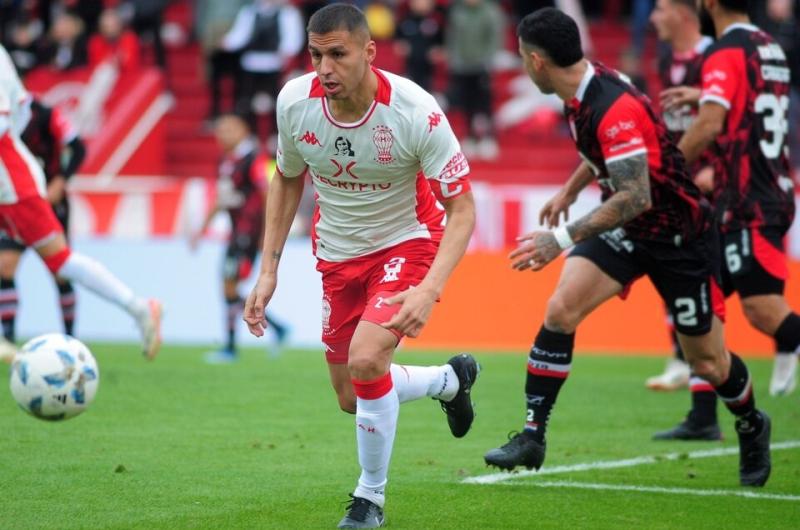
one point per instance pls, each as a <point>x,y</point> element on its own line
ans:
<point>276,256</point>
<point>631,180</point>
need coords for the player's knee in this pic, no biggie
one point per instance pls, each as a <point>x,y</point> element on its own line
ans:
<point>707,369</point>
<point>561,316</point>
<point>759,317</point>
<point>363,367</point>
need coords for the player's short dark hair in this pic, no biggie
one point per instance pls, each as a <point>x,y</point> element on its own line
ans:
<point>338,17</point>
<point>692,4</point>
<point>555,33</point>
<point>739,6</point>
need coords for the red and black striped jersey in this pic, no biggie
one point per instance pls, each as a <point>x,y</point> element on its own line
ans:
<point>241,184</point>
<point>46,134</point>
<point>682,69</point>
<point>746,72</point>
<point>611,120</point>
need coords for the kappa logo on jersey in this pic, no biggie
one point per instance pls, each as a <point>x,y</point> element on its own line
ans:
<point>310,138</point>
<point>383,139</point>
<point>434,119</point>
<point>392,269</point>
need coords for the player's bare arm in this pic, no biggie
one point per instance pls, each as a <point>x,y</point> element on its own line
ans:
<point>282,202</point>
<point>630,179</point>
<point>678,96</point>
<point>418,302</point>
<point>704,130</point>
<point>553,209</point>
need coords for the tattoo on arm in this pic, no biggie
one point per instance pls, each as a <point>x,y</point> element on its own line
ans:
<point>276,256</point>
<point>631,180</point>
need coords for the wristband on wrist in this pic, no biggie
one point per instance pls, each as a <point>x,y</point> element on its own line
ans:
<point>563,238</point>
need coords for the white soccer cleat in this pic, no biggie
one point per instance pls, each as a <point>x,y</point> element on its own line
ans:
<point>675,376</point>
<point>150,325</point>
<point>7,350</point>
<point>784,374</point>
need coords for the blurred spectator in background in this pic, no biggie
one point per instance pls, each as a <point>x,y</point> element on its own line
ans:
<point>241,192</point>
<point>65,47</point>
<point>419,36</point>
<point>630,64</point>
<point>781,19</point>
<point>23,44</point>
<point>640,20</point>
<point>86,10</point>
<point>114,43</point>
<point>269,33</point>
<point>213,19</point>
<point>144,17</point>
<point>473,35</point>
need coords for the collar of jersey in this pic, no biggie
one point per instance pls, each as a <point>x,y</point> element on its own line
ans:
<point>583,85</point>
<point>383,95</point>
<point>740,25</point>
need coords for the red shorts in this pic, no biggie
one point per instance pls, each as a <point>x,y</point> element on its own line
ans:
<point>30,221</point>
<point>354,290</point>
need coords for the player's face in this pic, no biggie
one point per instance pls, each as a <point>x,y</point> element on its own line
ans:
<point>341,60</point>
<point>230,131</point>
<point>536,69</point>
<point>665,18</point>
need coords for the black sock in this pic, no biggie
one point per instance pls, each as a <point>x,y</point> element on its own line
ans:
<point>787,336</point>
<point>8,307</point>
<point>704,403</point>
<point>737,394</point>
<point>549,363</point>
<point>234,308</point>
<point>66,299</point>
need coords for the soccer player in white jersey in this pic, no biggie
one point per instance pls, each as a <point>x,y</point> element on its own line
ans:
<point>379,152</point>
<point>26,215</point>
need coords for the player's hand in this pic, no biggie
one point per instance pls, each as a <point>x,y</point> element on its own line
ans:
<point>704,179</point>
<point>555,207</point>
<point>417,305</point>
<point>675,97</point>
<point>256,304</point>
<point>535,250</point>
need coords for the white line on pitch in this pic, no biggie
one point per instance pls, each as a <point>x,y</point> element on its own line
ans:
<point>656,489</point>
<point>611,464</point>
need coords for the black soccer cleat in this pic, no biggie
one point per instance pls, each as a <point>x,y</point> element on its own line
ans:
<point>521,450</point>
<point>459,409</point>
<point>754,458</point>
<point>688,430</point>
<point>362,513</point>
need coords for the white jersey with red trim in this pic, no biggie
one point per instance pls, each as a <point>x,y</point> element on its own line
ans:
<point>20,174</point>
<point>370,175</point>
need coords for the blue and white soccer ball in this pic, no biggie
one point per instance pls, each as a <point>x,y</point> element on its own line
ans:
<point>54,377</point>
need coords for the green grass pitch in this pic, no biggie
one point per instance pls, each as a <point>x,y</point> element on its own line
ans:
<point>262,444</point>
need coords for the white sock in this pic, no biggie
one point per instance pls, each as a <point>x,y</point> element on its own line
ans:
<point>415,382</point>
<point>93,275</point>
<point>376,423</point>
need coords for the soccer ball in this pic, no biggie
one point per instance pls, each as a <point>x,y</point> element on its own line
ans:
<point>54,377</point>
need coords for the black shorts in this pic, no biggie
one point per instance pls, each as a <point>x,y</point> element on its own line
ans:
<point>62,214</point>
<point>240,256</point>
<point>754,261</point>
<point>686,276</point>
